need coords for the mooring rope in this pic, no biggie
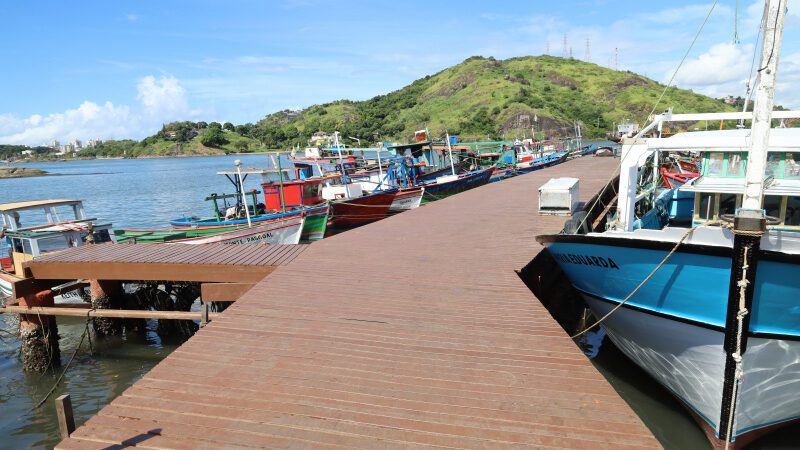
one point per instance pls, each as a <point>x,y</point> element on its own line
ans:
<point>653,272</point>
<point>69,363</point>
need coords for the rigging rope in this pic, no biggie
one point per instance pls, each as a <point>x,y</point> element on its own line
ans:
<point>653,272</point>
<point>685,55</point>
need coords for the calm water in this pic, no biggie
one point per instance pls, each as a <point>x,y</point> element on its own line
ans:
<point>150,192</point>
<point>128,193</point>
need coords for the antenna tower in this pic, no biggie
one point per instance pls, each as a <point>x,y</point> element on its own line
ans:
<point>564,51</point>
<point>616,58</point>
<point>588,56</point>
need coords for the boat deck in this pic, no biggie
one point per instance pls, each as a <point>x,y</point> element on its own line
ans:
<point>414,331</point>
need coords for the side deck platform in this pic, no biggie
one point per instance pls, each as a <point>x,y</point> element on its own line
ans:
<point>412,332</point>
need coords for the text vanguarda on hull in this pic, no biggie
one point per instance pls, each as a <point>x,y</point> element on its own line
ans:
<point>586,260</point>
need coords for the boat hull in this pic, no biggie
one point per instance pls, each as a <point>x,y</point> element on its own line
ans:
<point>674,326</point>
<point>463,183</point>
<point>281,231</point>
<point>406,199</point>
<point>348,213</point>
<point>315,224</point>
<point>542,162</point>
<point>502,174</point>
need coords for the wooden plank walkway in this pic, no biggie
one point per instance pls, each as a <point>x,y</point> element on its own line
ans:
<point>411,332</point>
<point>177,262</point>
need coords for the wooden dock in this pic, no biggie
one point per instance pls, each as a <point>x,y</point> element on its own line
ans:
<point>414,331</point>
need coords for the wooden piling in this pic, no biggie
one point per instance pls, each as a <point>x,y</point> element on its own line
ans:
<point>66,421</point>
<point>39,334</point>
<point>106,294</point>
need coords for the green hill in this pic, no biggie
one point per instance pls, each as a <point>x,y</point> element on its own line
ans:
<point>485,97</point>
<point>479,99</point>
<point>183,139</point>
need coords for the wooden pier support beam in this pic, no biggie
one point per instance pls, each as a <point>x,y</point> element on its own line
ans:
<point>106,294</point>
<point>38,334</point>
<point>66,421</point>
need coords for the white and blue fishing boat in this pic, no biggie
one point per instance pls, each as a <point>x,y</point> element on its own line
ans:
<point>704,294</point>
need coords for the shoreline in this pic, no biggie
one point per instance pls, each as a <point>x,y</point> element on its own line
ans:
<point>39,160</point>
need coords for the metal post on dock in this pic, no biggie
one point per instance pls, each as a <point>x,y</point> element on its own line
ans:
<point>238,165</point>
<point>66,421</point>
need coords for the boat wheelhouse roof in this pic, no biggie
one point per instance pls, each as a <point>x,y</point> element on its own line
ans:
<point>736,186</point>
<point>255,171</point>
<point>412,146</point>
<point>33,204</point>
<point>780,139</point>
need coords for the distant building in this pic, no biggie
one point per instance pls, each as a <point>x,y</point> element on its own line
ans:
<point>55,145</point>
<point>320,138</point>
<point>627,129</point>
<point>76,144</point>
<point>92,143</point>
<point>730,100</point>
<point>171,134</point>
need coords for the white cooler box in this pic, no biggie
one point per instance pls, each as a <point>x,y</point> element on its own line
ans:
<point>559,196</point>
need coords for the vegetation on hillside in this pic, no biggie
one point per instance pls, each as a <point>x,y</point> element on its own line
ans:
<point>485,98</point>
<point>479,99</point>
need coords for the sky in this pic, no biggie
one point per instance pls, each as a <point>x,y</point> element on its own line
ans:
<point>120,69</point>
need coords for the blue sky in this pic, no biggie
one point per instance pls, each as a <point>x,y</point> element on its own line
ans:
<point>117,69</point>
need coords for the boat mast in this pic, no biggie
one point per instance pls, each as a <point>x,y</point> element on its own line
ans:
<point>762,106</point>
<point>450,153</point>
<point>341,164</point>
<point>750,222</point>
<point>238,165</point>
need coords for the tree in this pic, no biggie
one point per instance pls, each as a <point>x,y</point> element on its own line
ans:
<point>213,137</point>
<point>202,125</point>
<point>241,145</point>
<point>227,126</point>
<point>214,125</point>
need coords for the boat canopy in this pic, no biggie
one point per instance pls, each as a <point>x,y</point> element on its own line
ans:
<point>36,204</point>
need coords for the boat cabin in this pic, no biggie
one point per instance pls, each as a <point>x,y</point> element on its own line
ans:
<point>720,186</point>
<point>37,227</point>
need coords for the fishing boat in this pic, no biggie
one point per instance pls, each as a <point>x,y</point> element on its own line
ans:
<point>287,229</point>
<point>447,185</point>
<point>453,183</point>
<point>709,309</point>
<point>231,217</point>
<point>37,227</point>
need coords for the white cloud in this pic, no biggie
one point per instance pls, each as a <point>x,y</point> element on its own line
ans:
<point>163,97</point>
<point>722,63</point>
<point>160,100</point>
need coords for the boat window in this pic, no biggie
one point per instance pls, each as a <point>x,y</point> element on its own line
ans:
<point>101,236</point>
<point>735,165</point>
<point>311,190</point>
<point>50,244</point>
<point>772,205</point>
<point>727,204</point>
<point>715,163</point>
<point>773,163</point>
<point>792,212</point>
<point>17,245</point>
<point>26,247</point>
<point>791,169</point>
<point>706,206</point>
